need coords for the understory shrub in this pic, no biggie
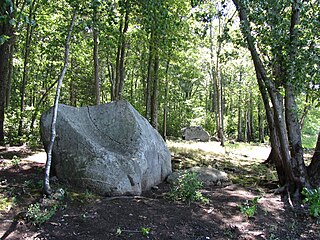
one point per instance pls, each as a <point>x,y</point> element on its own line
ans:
<point>312,198</point>
<point>186,189</point>
<point>249,208</point>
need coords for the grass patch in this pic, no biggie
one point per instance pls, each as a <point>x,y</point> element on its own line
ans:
<point>242,161</point>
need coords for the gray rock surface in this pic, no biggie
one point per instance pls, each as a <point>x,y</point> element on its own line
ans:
<point>109,149</point>
<point>195,133</point>
<point>207,175</point>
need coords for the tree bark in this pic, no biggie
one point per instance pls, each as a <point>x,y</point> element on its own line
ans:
<point>25,70</point>
<point>240,136</point>
<point>96,58</point>
<point>292,121</point>
<point>148,80</point>
<point>165,105</point>
<point>292,181</point>
<point>250,117</point>
<point>46,185</point>
<point>10,74</point>
<point>155,93</point>
<point>120,69</point>
<point>217,86</point>
<point>261,122</point>
<point>314,167</point>
<point>7,30</point>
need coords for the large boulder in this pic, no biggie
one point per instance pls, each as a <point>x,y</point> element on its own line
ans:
<point>195,133</point>
<point>109,149</point>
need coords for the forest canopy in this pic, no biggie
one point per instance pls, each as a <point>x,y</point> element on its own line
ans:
<point>234,67</point>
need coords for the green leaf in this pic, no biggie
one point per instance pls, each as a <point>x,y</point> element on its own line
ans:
<point>3,39</point>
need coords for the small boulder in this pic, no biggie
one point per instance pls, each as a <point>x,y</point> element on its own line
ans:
<point>195,133</point>
<point>207,175</point>
<point>109,149</point>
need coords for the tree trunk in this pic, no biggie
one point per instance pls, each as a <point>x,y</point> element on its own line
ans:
<point>148,81</point>
<point>314,167</point>
<point>292,121</point>
<point>25,70</point>
<point>261,122</point>
<point>240,136</point>
<point>293,180</point>
<point>96,58</point>
<point>251,125</point>
<point>10,74</point>
<point>245,117</point>
<point>111,80</point>
<point>217,86</point>
<point>155,93</point>
<point>5,56</point>
<point>120,70</point>
<point>46,185</point>
<point>165,105</point>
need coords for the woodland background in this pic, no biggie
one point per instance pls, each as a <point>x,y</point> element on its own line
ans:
<point>179,63</point>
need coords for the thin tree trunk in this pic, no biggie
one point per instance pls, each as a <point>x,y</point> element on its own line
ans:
<point>10,74</point>
<point>240,136</point>
<point>245,117</point>
<point>111,79</point>
<point>155,93</point>
<point>275,156</point>
<point>46,186</point>
<point>217,86</point>
<point>122,55</point>
<point>120,70</point>
<point>25,70</point>
<point>96,58</point>
<point>165,105</point>
<point>251,125</point>
<point>221,107</point>
<point>261,122</point>
<point>149,82</point>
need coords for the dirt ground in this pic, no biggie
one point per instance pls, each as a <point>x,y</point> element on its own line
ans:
<point>150,216</point>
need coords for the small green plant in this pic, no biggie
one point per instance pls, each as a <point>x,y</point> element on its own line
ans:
<point>249,208</point>
<point>312,198</point>
<point>7,203</point>
<point>38,213</point>
<point>37,216</point>
<point>145,231</point>
<point>119,231</point>
<point>15,161</point>
<point>186,189</point>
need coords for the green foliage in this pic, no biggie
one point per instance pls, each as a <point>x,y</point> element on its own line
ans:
<point>186,189</point>
<point>38,215</point>
<point>145,231</point>
<point>6,203</point>
<point>311,128</point>
<point>312,198</point>
<point>15,161</point>
<point>249,208</point>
